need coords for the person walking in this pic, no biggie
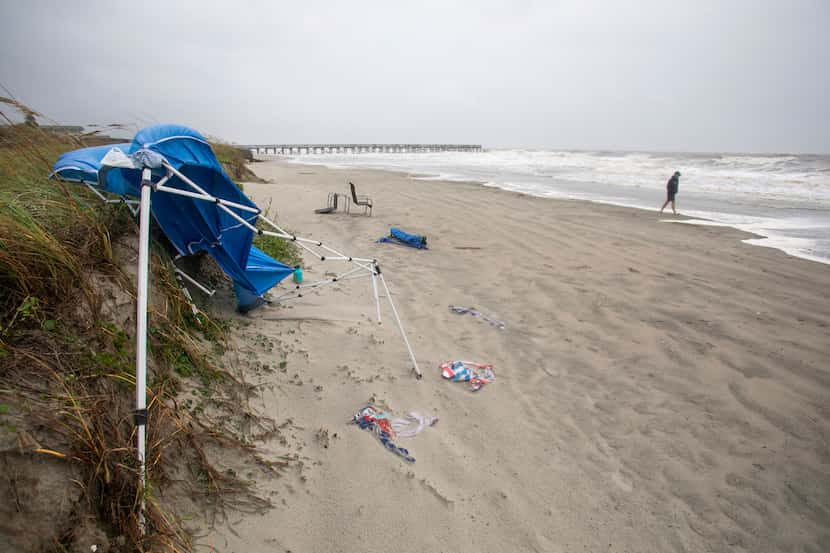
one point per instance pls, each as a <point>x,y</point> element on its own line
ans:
<point>671,191</point>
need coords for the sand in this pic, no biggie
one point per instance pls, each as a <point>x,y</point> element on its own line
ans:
<point>660,387</point>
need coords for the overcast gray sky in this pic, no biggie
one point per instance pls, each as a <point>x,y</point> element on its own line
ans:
<point>683,75</point>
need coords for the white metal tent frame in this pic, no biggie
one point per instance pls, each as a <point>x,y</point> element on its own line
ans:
<point>132,205</point>
<point>362,267</point>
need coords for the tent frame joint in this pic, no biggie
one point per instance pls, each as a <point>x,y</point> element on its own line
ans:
<point>140,417</point>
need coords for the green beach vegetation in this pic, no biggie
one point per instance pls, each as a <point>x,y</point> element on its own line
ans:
<point>67,370</point>
<point>234,161</point>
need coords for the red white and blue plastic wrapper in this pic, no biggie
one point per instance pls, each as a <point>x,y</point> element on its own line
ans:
<point>477,374</point>
<point>387,427</point>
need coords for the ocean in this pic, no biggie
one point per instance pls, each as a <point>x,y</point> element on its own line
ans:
<point>784,199</point>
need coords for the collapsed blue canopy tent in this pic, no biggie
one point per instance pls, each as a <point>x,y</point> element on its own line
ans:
<point>191,224</point>
<point>173,170</point>
<point>199,208</point>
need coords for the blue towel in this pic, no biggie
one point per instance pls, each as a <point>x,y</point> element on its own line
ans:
<point>397,236</point>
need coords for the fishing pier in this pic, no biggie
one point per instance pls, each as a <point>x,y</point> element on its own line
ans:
<point>304,149</point>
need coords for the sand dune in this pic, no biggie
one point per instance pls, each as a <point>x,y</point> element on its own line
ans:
<point>659,387</point>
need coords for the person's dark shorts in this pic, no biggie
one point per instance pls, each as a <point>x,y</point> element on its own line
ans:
<point>671,195</point>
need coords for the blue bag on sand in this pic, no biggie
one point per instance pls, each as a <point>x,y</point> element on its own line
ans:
<point>397,236</point>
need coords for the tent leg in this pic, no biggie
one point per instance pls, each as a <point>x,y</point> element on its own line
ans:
<point>181,274</point>
<point>188,298</point>
<point>133,210</point>
<point>96,192</point>
<point>400,326</point>
<point>375,289</point>
<point>141,339</point>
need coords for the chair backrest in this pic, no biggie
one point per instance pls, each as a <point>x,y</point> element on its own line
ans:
<point>354,193</point>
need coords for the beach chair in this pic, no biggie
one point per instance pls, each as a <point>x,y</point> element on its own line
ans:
<point>331,204</point>
<point>365,201</point>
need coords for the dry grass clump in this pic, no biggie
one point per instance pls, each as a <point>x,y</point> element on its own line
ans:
<point>67,374</point>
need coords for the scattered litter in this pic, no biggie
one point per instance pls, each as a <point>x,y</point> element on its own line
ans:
<point>477,374</point>
<point>386,427</point>
<point>397,236</point>
<point>412,424</point>
<point>471,311</point>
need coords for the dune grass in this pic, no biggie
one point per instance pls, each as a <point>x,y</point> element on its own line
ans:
<point>234,160</point>
<point>67,373</point>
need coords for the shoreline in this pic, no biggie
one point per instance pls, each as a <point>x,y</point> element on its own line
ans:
<point>644,374</point>
<point>757,238</point>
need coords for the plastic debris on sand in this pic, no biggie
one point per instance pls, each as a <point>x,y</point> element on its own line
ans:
<point>387,427</point>
<point>470,311</point>
<point>477,374</point>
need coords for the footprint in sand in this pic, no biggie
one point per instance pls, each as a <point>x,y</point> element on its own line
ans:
<point>621,481</point>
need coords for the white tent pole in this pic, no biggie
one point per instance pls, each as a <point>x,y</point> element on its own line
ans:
<point>129,204</point>
<point>359,261</point>
<point>223,204</point>
<point>299,288</point>
<point>230,212</point>
<point>188,297</point>
<point>351,277</point>
<point>398,320</point>
<point>194,282</point>
<point>315,242</point>
<point>121,200</point>
<point>163,180</point>
<point>207,198</point>
<point>300,240</point>
<point>141,338</point>
<point>296,294</point>
<point>375,290</point>
<point>96,191</point>
<point>335,278</point>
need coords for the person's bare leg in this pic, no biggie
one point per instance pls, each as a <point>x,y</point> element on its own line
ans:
<point>674,210</point>
<point>664,206</point>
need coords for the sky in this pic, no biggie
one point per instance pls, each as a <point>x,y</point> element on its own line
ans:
<point>667,75</point>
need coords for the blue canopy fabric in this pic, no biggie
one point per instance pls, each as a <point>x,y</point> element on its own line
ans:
<point>402,238</point>
<point>83,165</point>
<point>191,225</point>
